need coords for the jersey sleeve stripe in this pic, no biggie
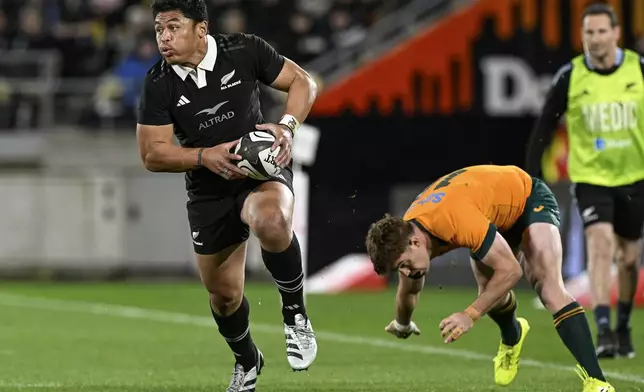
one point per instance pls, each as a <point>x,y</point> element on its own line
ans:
<point>487,242</point>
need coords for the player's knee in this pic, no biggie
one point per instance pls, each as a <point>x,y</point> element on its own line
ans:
<point>629,253</point>
<point>627,263</point>
<point>225,300</point>
<point>543,273</point>
<point>271,225</point>
<point>626,260</point>
<point>553,295</point>
<point>549,286</point>
<point>536,276</point>
<point>543,252</point>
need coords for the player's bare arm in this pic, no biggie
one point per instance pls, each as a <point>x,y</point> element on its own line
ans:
<point>507,273</point>
<point>302,90</point>
<point>160,154</point>
<point>300,87</point>
<point>407,297</point>
<point>396,245</point>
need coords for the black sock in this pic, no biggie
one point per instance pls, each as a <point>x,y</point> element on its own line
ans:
<point>574,331</point>
<point>505,317</point>
<point>624,310</point>
<point>236,330</point>
<point>286,269</point>
<point>602,318</point>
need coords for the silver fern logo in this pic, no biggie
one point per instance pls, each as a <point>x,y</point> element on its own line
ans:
<point>226,79</point>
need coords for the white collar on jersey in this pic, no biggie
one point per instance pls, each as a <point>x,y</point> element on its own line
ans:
<point>207,64</point>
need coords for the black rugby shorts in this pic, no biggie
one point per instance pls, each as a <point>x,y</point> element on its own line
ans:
<point>215,219</point>
<point>622,206</point>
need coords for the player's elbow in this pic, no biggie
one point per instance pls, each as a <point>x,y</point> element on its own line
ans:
<point>151,162</point>
<point>302,78</point>
<point>514,273</point>
<point>313,87</point>
<point>509,272</point>
<point>154,168</point>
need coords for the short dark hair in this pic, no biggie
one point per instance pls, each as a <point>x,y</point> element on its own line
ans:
<point>602,9</point>
<point>191,9</point>
<point>386,240</point>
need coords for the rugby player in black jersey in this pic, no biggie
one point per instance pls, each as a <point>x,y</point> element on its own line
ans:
<point>205,92</point>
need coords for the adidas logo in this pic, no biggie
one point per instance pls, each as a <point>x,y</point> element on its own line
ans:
<point>183,101</point>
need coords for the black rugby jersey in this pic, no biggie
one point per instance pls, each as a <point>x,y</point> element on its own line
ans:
<point>223,108</point>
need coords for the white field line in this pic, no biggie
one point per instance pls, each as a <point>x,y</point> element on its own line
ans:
<point>16,385</point>
<point>187,319</point>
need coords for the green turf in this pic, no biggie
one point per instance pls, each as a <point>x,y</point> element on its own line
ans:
<point>64,346</point>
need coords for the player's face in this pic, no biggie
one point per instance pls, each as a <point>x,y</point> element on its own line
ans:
<point>599,36</point>
<point>177,36</point>
<point>414,263</point>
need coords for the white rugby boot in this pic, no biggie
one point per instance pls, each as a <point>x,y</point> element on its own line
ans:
<point>245,381</point>
<point>301,346</point>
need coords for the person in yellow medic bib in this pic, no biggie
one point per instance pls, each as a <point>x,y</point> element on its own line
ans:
<point>601,93</point>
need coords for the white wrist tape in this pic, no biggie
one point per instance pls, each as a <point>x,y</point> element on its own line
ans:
<point>401,327</point>
<point>290,122</point>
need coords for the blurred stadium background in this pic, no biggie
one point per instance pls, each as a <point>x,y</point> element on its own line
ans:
<point>410,90</point>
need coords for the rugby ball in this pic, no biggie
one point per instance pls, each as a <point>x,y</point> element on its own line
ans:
<point>257,158</point>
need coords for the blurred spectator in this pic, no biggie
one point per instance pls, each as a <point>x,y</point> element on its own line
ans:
<point>309,38</point>
<point>31,33</point>
<point>118,95</point>
<point>232,21</point>
<point>7,106</point>
<point>131,71</point>
<point>314,8</point>
<point>345,31</point>
<point>4,31</point>
<point>94,39</point>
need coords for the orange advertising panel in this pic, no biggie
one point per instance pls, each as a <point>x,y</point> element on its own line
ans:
<point>434,72</point>
<point>554,163</point>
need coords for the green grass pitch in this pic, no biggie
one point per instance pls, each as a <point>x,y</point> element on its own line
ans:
<point>160,337</point>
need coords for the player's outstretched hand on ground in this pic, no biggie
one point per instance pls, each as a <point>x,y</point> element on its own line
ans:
<point>455,326</point>
<point>218,160</point>
<point>402,331</point>
<point>283,139</point>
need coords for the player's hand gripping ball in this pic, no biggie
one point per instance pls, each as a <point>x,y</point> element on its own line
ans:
<point>402,331</point>
<point>257,158</point>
